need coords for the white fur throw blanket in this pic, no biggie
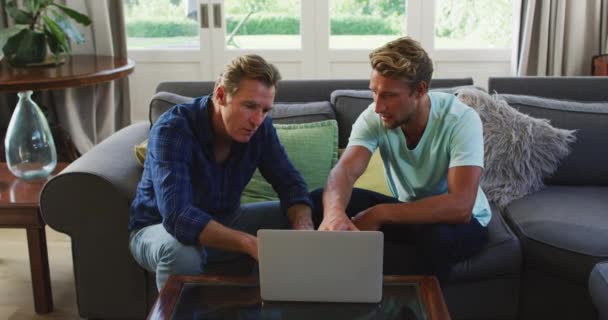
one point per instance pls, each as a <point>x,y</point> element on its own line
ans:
<point>519,150</point>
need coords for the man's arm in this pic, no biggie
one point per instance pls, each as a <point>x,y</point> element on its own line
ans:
<point>300,216</point>
<point>285,179</point>
<point>456,206</point>
<point>339,187</point>
<point>216,235</point>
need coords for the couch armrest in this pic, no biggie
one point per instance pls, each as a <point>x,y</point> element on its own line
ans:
<point>90,202</point>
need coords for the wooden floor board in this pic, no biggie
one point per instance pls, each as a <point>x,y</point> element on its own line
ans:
<point>16,298</point>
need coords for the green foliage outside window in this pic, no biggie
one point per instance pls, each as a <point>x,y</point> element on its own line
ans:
<point>160,28</point>
<point>264,24</point>
<point>376,8</point>
<point>486,20</point>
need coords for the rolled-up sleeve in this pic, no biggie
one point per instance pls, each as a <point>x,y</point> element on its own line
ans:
<point>278,170</point>
<point>170,154</point>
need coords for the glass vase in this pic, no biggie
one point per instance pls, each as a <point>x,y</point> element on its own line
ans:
<point>29,146</point>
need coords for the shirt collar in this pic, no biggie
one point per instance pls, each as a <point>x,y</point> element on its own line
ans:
<point>204,124</point>
<point>205,131</point>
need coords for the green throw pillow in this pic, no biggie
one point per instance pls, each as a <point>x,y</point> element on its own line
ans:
<point>313,150</point>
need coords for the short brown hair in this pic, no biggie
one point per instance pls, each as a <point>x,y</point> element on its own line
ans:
<point>404,59</point>
<point>250,66</point>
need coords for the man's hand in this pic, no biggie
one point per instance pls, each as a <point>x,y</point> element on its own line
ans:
<point>300,217</point>
<point>303,225</point>
<point>216,235</point>
<point>250,245</point>
<point>337,222</point>
<point>368,220</point>
<point>336,195</point>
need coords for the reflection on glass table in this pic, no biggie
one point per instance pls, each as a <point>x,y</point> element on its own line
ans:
<point>204,301</point>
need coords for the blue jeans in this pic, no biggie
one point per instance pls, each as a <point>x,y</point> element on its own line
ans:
<point>423,248</point>
<point>158,251</point>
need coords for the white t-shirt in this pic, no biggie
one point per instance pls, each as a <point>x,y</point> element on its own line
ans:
<point>453,137</point>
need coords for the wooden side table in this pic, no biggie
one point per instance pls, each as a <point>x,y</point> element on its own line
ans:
<point>19,208</point>
<point>599,65</point>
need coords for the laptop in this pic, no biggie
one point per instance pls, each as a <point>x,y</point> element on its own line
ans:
<point>320,266</point>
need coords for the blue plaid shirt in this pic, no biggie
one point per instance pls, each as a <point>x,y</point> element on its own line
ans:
<point>184,187</point>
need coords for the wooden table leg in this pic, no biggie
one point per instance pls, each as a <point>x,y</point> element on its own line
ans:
<point>39,265</point>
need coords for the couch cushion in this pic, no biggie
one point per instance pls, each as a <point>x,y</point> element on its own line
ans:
<point>586,163</point>
<point>163,101</point>
<point>313,150</point>
<point>564,229</point>
<point>501,256</point>
<point>598,289</point>
<point>348,105</point>
<point>140,152</point>
<point>520,150</point>
<point>285,113</point>
<point>373,178</point>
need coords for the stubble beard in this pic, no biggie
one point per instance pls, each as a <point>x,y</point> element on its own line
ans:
<point>399,123</point>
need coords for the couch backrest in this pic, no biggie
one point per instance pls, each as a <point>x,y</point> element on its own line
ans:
<point>291,92</point>
<point>565,88</point>
<point>576,103</point>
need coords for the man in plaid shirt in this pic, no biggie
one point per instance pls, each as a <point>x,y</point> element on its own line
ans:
<point>200,157</point>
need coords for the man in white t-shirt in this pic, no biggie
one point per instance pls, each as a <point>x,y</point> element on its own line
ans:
<point>432,148</point>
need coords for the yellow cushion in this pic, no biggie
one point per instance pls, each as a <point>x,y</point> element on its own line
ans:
<point>373,177</point>
<point>140,152</point>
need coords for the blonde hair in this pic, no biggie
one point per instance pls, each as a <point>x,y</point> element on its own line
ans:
<point>250,66</point>
<point>404,59</point>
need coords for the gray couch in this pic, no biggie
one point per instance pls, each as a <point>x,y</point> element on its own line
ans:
<point>90,202</point>
<point>563,228</point>
<point>598,289</point>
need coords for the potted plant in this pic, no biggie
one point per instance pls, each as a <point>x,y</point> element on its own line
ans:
<point>40,24</point>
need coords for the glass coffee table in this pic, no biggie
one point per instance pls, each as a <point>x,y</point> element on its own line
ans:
<point>218,297</point>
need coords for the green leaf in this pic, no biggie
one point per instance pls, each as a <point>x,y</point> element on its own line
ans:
<point>7,33</point>
<point>26,47</point>
<point>55,31</point>
<point>68,28</point>
<point>52,42</point>
<point>20,16</point>
<point>32,5</point>
<point>54,45</point>
<point>77,16</point>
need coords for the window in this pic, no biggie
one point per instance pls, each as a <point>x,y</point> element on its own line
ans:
<point>263,24</point>
<point>362,24</point>
<point>311,39</point>
<point>161,24</point>
<point>473,24</point>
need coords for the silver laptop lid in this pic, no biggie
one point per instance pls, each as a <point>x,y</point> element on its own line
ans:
<point>321,266</point>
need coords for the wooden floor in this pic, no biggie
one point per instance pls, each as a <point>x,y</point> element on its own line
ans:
<point>16,299</point>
